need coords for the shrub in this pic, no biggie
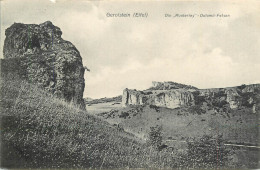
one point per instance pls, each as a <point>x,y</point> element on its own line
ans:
<point>245,99</point>
<point>207,152</point>
<point>155,137</point>
<point>156,108</point>
<point>197,98</point>
<point>241,87</point>
<point>124,115</point>
<point>196,109</point>
<point>219,103</point>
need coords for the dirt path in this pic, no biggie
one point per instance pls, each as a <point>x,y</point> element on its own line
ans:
<point>247,146</point>
<point>226,144</point>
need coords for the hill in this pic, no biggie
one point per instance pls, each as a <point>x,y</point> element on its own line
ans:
<point>169,85</point>
<point>42,131</point>
<point>116,99</point>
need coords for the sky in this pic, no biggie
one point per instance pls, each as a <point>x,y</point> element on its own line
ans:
<point>132,52</point>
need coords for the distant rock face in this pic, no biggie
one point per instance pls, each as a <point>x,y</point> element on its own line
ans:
<point>235,97</point>
<point>38,54</point>
<point>132,97</point>
<point>162,98</point>
<point>232,98</point>
<point>173,98</point>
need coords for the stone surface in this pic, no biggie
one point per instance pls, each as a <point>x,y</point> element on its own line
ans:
<point>132,97</point>
<point>163,98</point>
<point>232,98</point>
<point>172,98</point>
<point>38,54</point>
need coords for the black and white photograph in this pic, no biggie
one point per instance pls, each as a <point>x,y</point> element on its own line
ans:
<point>129,84</point>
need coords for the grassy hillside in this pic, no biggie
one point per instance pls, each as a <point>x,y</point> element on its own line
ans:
<point>239,126</point>
<point>39,130</point>
<point>168,85</point>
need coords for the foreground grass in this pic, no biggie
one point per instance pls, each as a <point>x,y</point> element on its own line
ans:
<point>40,131</point>
<point>43,131</point>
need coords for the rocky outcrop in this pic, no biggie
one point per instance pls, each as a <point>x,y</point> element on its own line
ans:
<point>38,54</point>
<point>132,97</point>
<point>162,98</point>
<point>245,95</point>
<point>171,98</point>
<point>234,97</point>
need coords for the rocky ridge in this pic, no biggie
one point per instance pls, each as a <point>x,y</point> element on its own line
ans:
<point>38,54</point>
<point>234,97</point>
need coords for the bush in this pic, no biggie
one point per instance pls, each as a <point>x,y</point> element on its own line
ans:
<point>241,87</point>
<point>198,99</point>
<point>124,115</point>
<point>155,137</point>
<point>156,108</point>
<point>207,152</point>
<point>245,99</point>
<point>196,110</point>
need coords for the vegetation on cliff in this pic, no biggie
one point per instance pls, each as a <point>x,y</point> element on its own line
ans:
<point>169,85</point>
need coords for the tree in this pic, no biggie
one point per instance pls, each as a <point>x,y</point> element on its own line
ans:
<point>155,137</point>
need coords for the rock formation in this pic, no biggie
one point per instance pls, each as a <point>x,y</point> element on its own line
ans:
<point>162,98</point>
<point>183,95</point>
<point>38,54</point>
<point>132,97</point>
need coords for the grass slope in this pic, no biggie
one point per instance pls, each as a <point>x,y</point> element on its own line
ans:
<point>239,126</point>
<point>39,130</point>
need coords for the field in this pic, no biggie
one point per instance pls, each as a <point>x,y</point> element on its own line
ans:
<point>95,109</point>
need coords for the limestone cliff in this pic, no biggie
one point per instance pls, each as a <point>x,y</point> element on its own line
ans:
<point>132,97</point>
<point>234,97</point>
<point>245,95</point>
<point>38,54</point>
<point>162,98</point>
<point>172,98</point>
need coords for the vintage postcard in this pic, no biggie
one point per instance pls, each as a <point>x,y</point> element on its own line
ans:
<point>129,84</point>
